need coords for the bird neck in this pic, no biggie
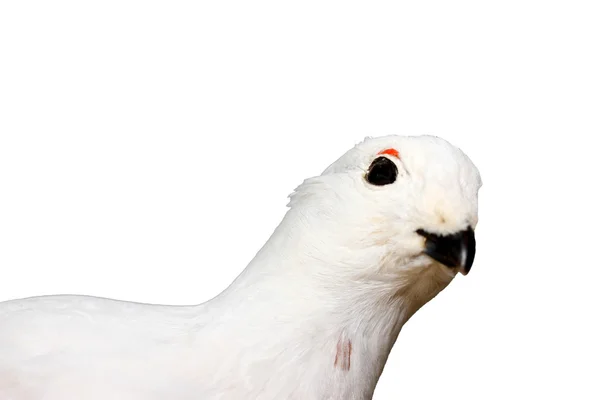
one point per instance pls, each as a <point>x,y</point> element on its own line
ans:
<point>327,333</point>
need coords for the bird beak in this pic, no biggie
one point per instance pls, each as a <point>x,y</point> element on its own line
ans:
<point>456,250</point>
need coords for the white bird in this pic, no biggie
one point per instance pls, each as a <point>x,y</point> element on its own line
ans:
<point>313,316</point>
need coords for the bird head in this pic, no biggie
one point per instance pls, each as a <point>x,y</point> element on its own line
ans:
<point>395,205</point>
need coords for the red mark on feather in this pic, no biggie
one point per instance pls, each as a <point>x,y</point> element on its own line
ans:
<point>343,354</point>
<point>390,152</point>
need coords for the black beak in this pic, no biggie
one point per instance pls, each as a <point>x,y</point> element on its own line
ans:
<point>456,250</point>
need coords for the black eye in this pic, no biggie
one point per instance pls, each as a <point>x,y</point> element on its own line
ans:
<point>382,171</point>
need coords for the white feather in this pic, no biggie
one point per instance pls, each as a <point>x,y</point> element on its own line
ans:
<point>313,316</point>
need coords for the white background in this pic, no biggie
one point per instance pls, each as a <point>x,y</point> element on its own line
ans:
<point>147,149</point>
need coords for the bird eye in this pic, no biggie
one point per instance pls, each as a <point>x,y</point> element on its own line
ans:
<point>382,171</point>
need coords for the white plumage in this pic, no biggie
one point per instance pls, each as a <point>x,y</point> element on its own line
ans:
<point>313,316</point>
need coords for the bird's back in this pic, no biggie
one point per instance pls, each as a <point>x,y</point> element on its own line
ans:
<point>51,342</point>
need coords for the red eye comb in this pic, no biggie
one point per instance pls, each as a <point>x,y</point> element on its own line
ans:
<point>390,152</point>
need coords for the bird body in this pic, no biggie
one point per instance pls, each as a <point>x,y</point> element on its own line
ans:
<point>313,316</point>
